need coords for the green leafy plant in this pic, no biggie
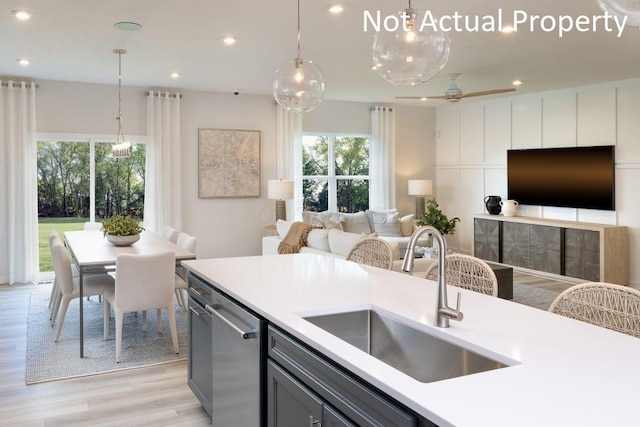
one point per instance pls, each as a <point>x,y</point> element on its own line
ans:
<point>121,225</point>
<point>434,217</point>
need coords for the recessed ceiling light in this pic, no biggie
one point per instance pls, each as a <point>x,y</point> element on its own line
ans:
<point>507,29</point>
<point>516,82</point>
<point>229,40</point>
<point>23,61</point>
<point>127,26</point>
<point>22,15</point>
<point>336,9</point>
<point>424,98</point>
<point>175,75</point>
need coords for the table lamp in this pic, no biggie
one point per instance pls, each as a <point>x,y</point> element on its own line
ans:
<point>420,188</point>
<point>280,190</point>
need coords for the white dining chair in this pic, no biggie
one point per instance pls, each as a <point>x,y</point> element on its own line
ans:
<point>96,284</point>
<point>56,296</point>
<point>170,233</point>
<point>188,243</point>
<point>143,282</point>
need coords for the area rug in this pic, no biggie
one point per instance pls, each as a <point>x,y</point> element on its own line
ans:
<point>48,360</point>
<point>533,296</point>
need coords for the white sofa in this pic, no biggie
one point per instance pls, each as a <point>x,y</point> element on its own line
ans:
<point>337,243</point>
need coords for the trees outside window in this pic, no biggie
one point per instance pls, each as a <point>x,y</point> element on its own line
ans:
<point>343,187</point>
<point>80,181</point>
<point>65,181</point>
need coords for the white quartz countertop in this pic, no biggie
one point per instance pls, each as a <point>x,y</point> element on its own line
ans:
<point>562,372</point>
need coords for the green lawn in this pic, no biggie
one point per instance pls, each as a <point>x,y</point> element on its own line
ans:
<point>45,227</point>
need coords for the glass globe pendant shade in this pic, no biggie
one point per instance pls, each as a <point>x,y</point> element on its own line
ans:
<point>298,85</point>
<point>410,55</point>
<point>622,8</point>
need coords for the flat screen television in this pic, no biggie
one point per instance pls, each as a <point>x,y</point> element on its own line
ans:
<point>571,177</point>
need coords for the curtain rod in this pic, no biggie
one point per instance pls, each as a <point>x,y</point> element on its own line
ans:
<point>383,108</point>
<point>18,84</point>
<point>158,93</point>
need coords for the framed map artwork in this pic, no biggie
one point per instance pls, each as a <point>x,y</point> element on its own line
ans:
<point>228,163</point>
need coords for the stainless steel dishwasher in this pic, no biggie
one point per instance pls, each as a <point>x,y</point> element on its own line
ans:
<point>235,352</point>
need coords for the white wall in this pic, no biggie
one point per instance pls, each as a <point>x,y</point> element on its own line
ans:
<point>230,227</point>
<point>474,137</point>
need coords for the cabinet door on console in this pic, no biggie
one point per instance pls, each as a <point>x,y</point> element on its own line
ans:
<point>582,254</point>
<point>486,239</point>
<point>290,403</point>
<point>544,248</point>
<point>515,244</point>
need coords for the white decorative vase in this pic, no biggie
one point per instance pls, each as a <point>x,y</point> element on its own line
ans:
<point>123,240</point>
<point>509,207</point>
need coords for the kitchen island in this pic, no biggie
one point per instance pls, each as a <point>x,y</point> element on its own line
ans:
<point>560,371</point>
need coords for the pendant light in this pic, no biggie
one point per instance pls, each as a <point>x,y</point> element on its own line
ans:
<point>299,83</point>
<point>622,8</point>
<point>410,55</point>
<point>121,148</point>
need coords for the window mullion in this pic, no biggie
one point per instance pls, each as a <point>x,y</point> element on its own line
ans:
<point>92,180</point>
<point>333,184</point>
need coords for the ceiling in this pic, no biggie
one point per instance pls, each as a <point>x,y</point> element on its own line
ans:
<point>73,40</point>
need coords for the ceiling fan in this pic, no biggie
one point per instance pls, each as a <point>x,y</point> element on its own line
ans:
<point>454,94</point>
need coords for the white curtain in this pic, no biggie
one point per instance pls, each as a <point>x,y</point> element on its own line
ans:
<point>18,185</point>
<point>289,156</point>
<point>382,159</point>
<point>162,195</point>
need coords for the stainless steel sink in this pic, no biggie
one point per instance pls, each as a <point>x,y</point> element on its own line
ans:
<point>416,353</point>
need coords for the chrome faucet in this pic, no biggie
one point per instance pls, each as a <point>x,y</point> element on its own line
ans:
<point>443,311</point>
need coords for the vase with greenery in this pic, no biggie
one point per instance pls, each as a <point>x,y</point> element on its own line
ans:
<point>434,217</point>
<point>121,230</point>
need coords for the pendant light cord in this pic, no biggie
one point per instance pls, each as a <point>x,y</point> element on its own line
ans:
<point>120,133</point>
<point>298,28</point>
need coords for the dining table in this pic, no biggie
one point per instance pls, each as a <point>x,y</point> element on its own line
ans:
<point>92,253</point>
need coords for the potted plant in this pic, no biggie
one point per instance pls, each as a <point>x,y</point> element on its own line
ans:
<point>121,230</point>
<point>434,217</point>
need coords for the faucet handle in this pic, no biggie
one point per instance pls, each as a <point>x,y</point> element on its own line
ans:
<point>458,301</point>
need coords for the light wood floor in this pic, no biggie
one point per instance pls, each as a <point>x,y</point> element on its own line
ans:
<point>153,396</point>
<point>157,396</point>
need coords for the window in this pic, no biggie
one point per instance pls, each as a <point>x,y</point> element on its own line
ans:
<point>79,181</point>
<point>343,187</point>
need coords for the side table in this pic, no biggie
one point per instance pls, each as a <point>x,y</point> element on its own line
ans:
<point>270,230</point>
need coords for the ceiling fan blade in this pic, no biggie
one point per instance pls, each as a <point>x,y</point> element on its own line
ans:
<point>487,92</point>
<point>423,97</point>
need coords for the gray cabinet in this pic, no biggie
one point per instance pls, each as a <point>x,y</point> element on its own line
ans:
<point>536,247</point>
<point>342,398</point>
<point>294,404</point>
<point>593,252</point>
<point>486,239</point>
<point>582,254</point>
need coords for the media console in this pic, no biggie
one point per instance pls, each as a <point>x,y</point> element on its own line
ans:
<point>588,251</point>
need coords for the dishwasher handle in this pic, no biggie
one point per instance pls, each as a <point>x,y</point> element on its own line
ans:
<point>245,335</point>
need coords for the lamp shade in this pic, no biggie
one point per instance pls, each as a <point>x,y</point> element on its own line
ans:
<point>420,187</point>
<point>280,189</point>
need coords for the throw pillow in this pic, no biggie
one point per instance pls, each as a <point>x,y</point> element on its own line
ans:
<point>406,225</point>
<point>283,227</point>
<point>341,242</point>
<point>313,218</point>
<point>319,239</point>
<point>386,224</point>
<point>334,221</point>
<point>356,223</point>
<point>370,213</point>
